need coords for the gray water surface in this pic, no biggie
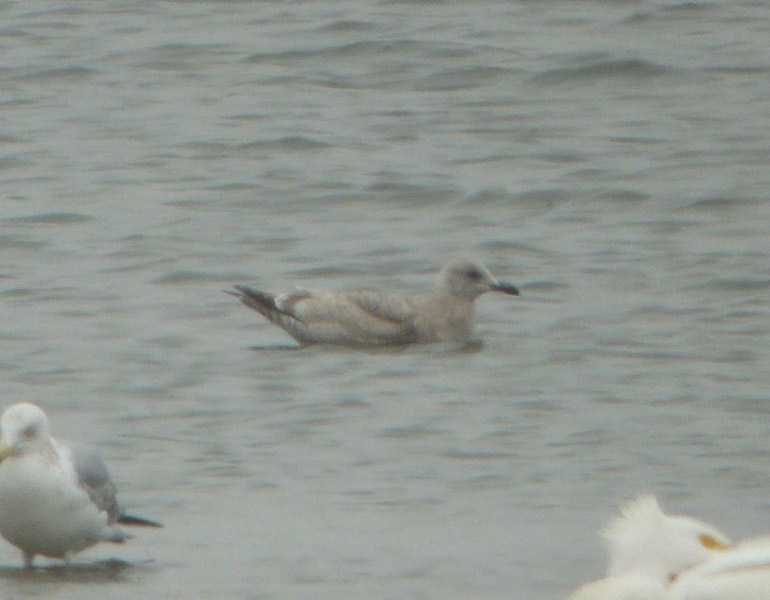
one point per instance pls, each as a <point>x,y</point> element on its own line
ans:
<point>609,158</point>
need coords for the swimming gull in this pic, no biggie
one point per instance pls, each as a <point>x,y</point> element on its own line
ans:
<point>376,318</point>
<point>55,498</point>
<point>648,550</point>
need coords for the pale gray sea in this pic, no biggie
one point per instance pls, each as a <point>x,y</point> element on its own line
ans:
<point>609,158</point>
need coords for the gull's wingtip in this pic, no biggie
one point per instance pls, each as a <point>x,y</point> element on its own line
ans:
<point>239,290</point>
<point>138,521</point>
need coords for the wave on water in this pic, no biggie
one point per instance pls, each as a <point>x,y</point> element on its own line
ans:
<point>51,218</point>
<point>369,49</point>
<point>73,73</point>
<point>633,68</point>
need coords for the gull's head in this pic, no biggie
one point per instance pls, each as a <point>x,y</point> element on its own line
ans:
<point>645,540</point>
<point>24,427</point>
<point>467,279</point>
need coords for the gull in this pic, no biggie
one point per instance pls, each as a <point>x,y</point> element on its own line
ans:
<point>55,498</point>
<point>376,318</point>
<point>649,549</point>
<point>740,573</point>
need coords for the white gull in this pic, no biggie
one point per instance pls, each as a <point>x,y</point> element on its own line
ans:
<point>649,549</point>
<point>654,556</point>
<point>55,498</point>
<point>377,318</point>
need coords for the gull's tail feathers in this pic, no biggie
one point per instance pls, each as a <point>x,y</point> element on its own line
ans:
<point>262,302</point>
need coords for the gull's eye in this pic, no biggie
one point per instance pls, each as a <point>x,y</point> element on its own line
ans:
<point>474,274</point>
<point>29,432</point>
<point>711,543</point>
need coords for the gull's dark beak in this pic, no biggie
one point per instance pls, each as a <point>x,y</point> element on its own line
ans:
<point>505,288</point>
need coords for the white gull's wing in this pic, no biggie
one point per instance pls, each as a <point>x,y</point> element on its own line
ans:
<point>92,476</point>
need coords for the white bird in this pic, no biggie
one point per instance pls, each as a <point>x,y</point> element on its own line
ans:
<point>648,550</point>
<point>740,573</point>
<point>375,318</point>
<point>55,499</point>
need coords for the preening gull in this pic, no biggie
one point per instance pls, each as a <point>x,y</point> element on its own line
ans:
<point>740,573</point>
<point>376,318</point>
<point>55,498</point>
<point>649,549</point>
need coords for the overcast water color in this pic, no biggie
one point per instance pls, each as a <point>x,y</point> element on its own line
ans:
<point>609,158</point>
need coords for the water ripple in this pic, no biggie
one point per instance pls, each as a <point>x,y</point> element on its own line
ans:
<point>620,69</point>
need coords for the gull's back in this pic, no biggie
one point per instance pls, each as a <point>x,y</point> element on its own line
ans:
<point>364,317</point>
